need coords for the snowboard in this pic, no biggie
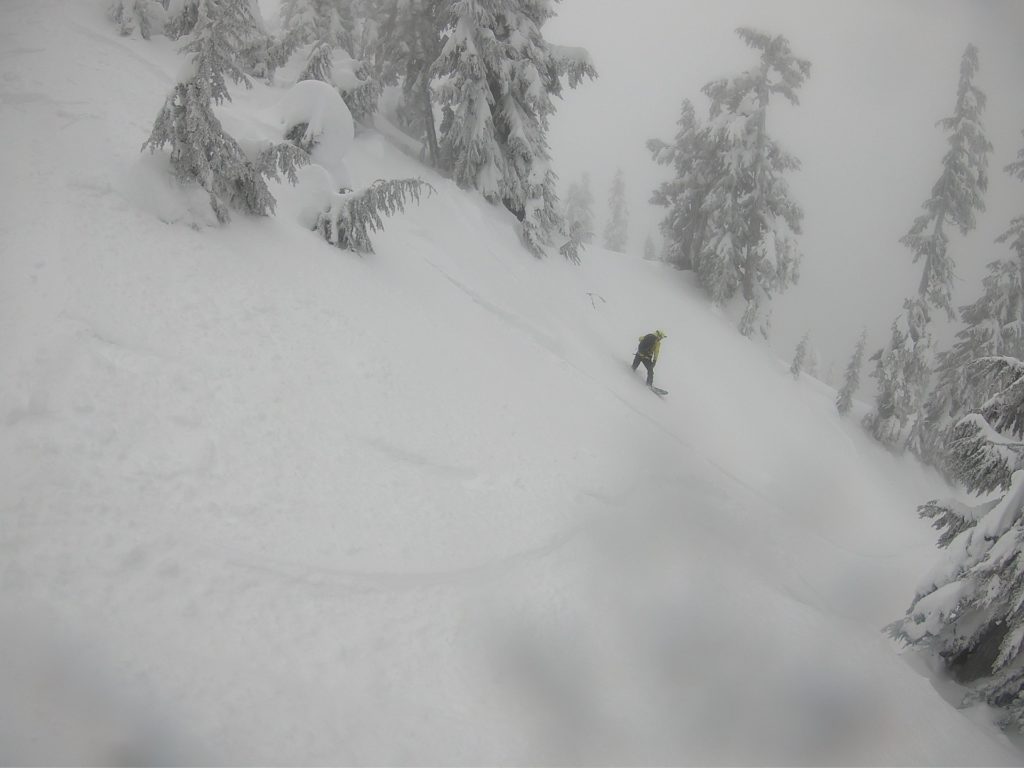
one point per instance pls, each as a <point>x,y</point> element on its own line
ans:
<point>656,390</point>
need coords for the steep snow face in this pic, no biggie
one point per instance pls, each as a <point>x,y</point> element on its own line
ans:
<point>264,501</point>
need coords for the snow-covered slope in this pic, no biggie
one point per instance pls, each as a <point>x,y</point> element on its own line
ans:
<point>264,501</point>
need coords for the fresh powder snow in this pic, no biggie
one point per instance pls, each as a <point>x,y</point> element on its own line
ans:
<point>264,501</point>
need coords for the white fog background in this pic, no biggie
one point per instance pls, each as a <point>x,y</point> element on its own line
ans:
<point>882,73</point>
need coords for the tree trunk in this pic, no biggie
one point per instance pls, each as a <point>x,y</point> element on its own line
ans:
<point>428,121</point>
<point>922,288</point>
<point>754,228</point>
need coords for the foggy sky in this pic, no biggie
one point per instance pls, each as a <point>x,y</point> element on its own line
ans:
<point>882,73</point>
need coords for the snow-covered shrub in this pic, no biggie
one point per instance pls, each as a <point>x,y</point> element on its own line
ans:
<point>315,118</point>
<point>572,247</point>
<point>354,214</point>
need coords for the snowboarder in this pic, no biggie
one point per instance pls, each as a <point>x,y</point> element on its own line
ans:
<point>647,353</point>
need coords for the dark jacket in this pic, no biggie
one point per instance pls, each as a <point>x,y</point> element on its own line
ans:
<point>650,346</point>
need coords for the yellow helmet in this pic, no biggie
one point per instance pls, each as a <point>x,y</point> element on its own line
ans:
<point>661,334</point>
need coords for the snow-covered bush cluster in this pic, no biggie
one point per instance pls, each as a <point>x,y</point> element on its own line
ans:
<point>226,39</point>
<point>483,65</point>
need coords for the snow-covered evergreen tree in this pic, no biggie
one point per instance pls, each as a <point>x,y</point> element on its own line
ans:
<point>329,29</point>
<point>902,369</point>
<point>579,208</point>
<point>498,76</point>
<point>799,356</point>
<point>616,232</point>
<point>319,21</point>
<point>319,62</point>
<point>959,191</point>
<point>694,162</point>
<point>409,40</point>
<point>201,150</point>
<point>650,252</point>
<point>182,19</point>
<point>147,16</point>
<point>993,326</point>
<point>752,221</point>
<point>851,381</point>
<point>969,610</point>
<point>954,199</point>
<point>255,52</point>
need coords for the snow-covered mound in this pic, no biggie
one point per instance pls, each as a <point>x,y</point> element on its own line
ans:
<point>264,501</point>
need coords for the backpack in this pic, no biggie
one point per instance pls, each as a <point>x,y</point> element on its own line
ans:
<point>647,344</point>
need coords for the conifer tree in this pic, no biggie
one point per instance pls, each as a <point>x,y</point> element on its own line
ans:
<point>616,234</point>
<point>959,191</point>
<point>319,63</point>
<point>472,152</point>
<point>993,326</point>
<point>498,77</point>
<point>955,198</point>
<point>327,26</point>
<point>182,19</point>
<point>650,252</point>
<point>752,222</point>
<point>901,369</point>
<point>254,51</point>
<point>148,16</point>
<point>201,150</point>
<point>319,21</point>
<point>693,159</point>
<point>968,611</point>
<point>851,382</point>
<point>409,40</point>
<point>799,356</point>
<point>579,208</point>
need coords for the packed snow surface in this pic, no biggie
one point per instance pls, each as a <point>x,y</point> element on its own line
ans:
<point>266,502</point>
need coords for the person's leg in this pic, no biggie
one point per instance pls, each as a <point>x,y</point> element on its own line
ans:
<point>636,361</point>
<point>650,373</point>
